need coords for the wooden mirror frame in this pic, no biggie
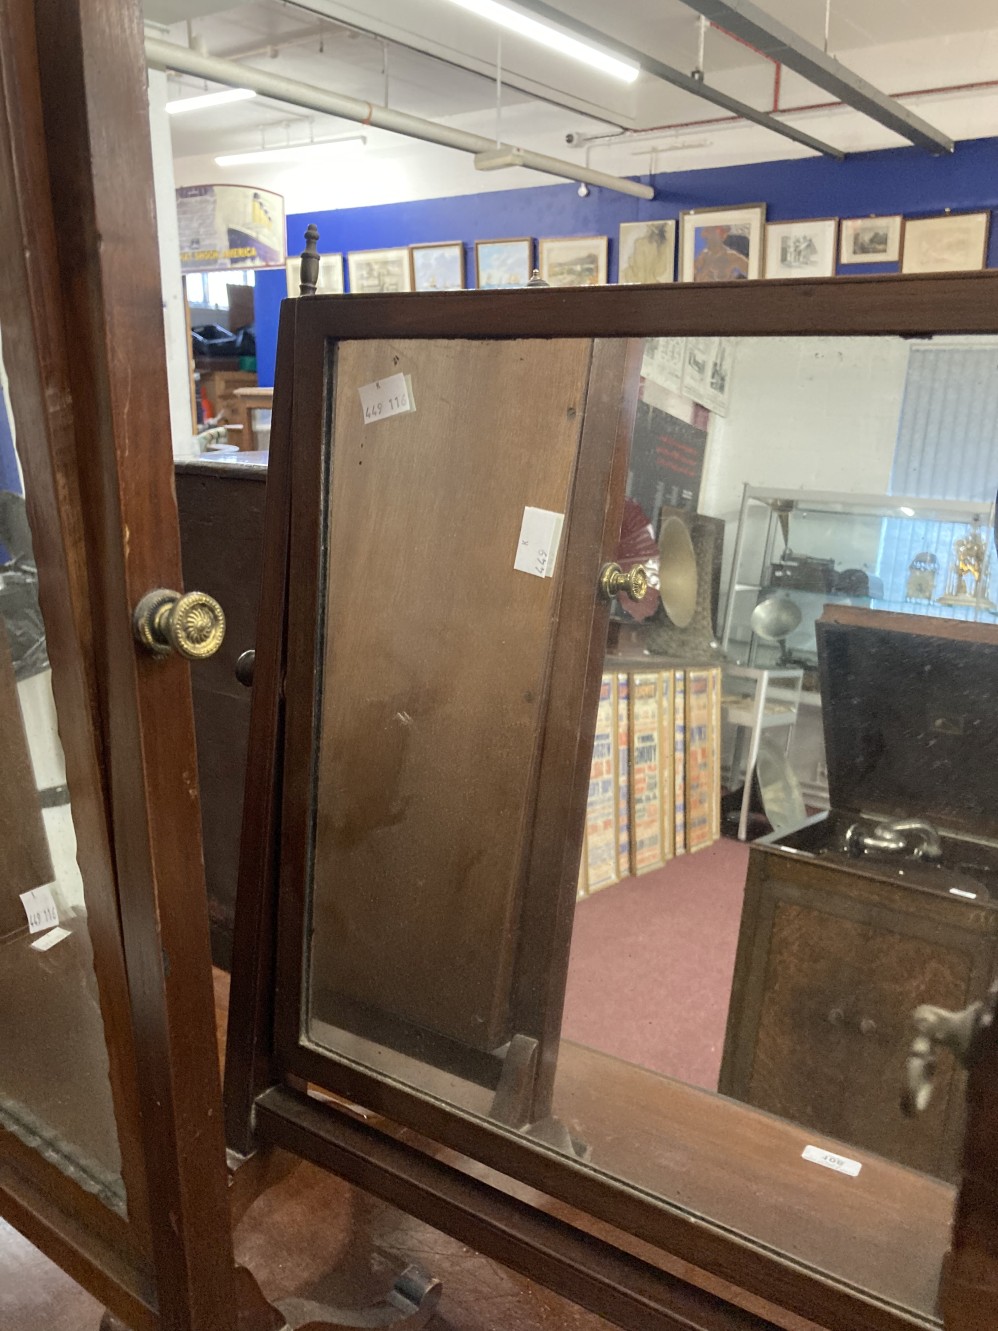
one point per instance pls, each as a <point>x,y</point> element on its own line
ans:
<point>596,1239</point>
<point>81,292</point>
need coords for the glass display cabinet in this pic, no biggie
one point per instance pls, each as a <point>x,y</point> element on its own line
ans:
<point>796,551</point>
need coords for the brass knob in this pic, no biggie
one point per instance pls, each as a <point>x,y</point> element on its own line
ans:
<point>192,625</point>
<point>634,583</point>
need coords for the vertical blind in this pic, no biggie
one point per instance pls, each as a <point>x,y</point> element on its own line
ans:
<point>947,444</point>
<point>947,448</point>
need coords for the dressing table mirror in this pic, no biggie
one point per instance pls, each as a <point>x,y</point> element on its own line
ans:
<point>444,507</point>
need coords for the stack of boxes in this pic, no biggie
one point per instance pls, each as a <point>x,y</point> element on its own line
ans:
<point>655,785</point>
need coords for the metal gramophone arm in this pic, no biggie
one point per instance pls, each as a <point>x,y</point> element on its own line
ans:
<point>935,1028</point>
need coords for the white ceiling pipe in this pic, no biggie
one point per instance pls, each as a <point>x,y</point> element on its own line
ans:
<point>167,55</point>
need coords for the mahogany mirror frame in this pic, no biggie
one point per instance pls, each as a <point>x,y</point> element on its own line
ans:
<point>637,1259</point>
<point>80,270</point>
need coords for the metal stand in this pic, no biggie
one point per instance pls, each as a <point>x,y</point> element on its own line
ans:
<point>408,1306</point>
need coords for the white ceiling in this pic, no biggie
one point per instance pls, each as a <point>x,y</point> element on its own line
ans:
<point>441,60</point>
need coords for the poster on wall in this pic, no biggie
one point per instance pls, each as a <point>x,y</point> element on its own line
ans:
<point>667,456</point>
<point>229,226</point>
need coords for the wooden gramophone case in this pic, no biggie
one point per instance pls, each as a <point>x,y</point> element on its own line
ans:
<point>835,951</point>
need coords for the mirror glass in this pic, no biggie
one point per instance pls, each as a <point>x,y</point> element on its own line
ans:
<point>55,1093</point>
<point>791,838</point>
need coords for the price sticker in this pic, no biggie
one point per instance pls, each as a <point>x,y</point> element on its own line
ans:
<point>386,397</point>
<point>840,1163</point>
<point>540,536</point>
<point>50,939</point>
<point>40,908</point>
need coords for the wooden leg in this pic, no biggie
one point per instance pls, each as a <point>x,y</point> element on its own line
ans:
<point>408,1306</point>
<point>110,1323</point>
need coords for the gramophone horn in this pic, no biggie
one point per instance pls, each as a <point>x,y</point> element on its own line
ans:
<point>677,572</point>
<point>775,618</point>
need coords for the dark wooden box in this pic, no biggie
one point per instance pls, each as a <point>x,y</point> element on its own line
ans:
<point>835,952</point>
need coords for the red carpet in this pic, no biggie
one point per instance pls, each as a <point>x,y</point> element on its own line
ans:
<point>652,959</point>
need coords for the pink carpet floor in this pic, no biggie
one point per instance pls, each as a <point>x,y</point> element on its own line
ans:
<point>652,959</point>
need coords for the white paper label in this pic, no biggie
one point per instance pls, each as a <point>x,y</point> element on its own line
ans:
<point>540,536</point>
<point>50,939</point>
<point>40,909</point>
<point>386,397</point>
<point>832,1161</point>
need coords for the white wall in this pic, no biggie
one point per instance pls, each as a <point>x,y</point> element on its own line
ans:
<point>811,413</point>
<point>174,314</point>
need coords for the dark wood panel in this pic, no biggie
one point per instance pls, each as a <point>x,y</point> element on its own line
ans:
<point>831,964</point>
<point>842,306</point>
<point>221,513</point>
<point>435,675</point>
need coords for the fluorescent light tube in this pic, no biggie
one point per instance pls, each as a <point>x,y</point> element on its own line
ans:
<point>181,105</point>
<point>553,38</point>
<point>293,152</point>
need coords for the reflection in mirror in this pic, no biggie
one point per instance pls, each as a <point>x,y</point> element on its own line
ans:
<point>54,1089</point>
<point>790,838</point>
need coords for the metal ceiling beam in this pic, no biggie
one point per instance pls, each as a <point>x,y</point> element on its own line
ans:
<point>696,87</point>
<point>743,19</point>
<point>184,60</point>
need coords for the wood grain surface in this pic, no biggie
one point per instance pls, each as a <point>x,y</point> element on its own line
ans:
<point>435,675</point>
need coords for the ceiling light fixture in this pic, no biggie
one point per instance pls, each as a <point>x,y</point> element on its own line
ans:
<point>513,20</point>
<point>293,152</point>
<point>181,105</point>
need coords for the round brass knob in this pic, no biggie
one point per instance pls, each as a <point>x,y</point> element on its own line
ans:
<point>192,625</point>
<point>634,583</point>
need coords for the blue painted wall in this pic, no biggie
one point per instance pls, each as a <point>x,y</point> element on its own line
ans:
<point>9,477</point>
<point>902,180</point>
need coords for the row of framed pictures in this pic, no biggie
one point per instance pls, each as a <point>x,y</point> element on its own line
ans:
<point>723,243</point>
<point>562,261</point>
<point>715,245</point>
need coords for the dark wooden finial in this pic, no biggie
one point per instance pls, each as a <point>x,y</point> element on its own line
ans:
<point>309,276</point>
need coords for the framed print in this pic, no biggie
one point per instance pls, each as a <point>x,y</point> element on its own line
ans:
<point>721,244</point>
<point>503,263</point>
<point>330,281</point>
<point>437,267</point>
<point>573,261</point>
<point>698,359</point>
<point>379,272</point>
<point>801,249</point>
<point>662,362</point>
<point>951,243</point>
<point>870,239</point>
<point>647,251</point>
<point>715,393</point>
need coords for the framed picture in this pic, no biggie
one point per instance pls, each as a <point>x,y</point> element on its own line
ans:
<point>330,281</point>
<point>647,251</point>
<point>801,249</point>
<point>573,261</point>
<point>952,243</point>
<point>377,272</point>
<point>870,239</point>
<point>437,267</point>
<point>721,244</point>
<point>715,393</point>
<point>503,263</point>
<point>699,354</point>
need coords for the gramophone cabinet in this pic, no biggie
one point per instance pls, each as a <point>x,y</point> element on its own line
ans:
<point>836,951</point>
